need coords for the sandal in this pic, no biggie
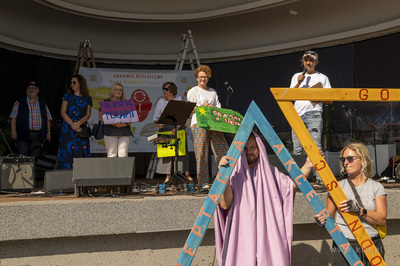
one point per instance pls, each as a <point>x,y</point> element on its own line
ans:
<point>167,180</point>
<point>189,178</point>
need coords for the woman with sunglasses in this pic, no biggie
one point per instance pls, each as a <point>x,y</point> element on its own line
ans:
<point>203,95</point>
<point>76,108</point>
<point>164,164</point>
<point>356,163</point>
<point>116,136</point>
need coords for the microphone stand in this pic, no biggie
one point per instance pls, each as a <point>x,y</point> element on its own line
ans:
<point>350,119</point>
<point>228,96</point>
<point>377,176</point>
<point>176,174</point>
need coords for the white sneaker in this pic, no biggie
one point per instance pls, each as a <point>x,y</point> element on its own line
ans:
<point>384,178</point>
<point>204,188</point>
<point>318,184</point>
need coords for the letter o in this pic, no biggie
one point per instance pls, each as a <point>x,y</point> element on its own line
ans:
<point>385,94</point>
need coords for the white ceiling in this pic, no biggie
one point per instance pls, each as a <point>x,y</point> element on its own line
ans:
<point>149,31</point>
<point>160,10</point>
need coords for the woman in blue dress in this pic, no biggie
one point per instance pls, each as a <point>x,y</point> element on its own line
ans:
<point>76,109</point>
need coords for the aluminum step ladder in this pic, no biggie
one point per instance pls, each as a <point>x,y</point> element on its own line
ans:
<point>188,49</point>
<point>152,166</point>
<point>85,54</point>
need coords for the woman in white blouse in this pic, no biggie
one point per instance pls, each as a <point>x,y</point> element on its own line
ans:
<point>164,165</point>
<point>202,95</point>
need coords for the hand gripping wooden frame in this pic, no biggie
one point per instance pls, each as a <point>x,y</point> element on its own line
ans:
<point>252,117</point>
<point>284,97</point>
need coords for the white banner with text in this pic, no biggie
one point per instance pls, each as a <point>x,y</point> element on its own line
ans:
<point>144,87</point>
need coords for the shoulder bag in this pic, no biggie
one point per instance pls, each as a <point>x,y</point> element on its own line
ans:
<point>98,130</point>
<point>86,131</point>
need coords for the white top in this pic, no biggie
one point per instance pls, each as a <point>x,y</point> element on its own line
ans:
<point>368,192</point>
<point>310,80</point>
<point>199,96</point>
<point>160,106</point>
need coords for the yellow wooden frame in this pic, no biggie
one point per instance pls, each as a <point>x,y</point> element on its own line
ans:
<point>284,97</point>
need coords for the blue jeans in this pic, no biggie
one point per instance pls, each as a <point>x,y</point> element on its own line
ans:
<point>313,122</point>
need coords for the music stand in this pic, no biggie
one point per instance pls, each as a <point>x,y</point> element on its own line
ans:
<point>176,113</point>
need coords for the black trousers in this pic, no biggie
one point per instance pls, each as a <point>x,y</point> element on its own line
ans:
<point>31,147</point>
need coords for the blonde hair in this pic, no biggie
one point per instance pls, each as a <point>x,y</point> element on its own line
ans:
<point>361,151</point>
<point>113,89</point>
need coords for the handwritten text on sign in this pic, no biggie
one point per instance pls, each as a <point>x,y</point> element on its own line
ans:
<point>119,111</point>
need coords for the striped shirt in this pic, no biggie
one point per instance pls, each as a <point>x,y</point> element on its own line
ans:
<point>35,118</point>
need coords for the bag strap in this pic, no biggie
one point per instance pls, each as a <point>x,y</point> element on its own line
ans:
<point>379,228</point>
<point>355,193</point>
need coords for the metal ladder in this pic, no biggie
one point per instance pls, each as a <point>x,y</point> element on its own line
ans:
<point>85,53</point>
<point>187,49</point>
<point>152,166</point>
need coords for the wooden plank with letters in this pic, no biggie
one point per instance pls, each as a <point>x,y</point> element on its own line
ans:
<point>284,96</point>
<point>254,116</point>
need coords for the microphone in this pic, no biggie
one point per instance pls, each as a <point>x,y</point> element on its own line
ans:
<point>229,86</point>
<point>304,71</point>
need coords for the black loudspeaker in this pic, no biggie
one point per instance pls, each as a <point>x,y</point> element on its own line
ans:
<point>103,172</point>
<point>58,181</point>
<point>17,173</point>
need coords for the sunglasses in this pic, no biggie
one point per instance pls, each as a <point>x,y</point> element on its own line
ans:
<point>310,53</point>
<point>350,159</point>
<point>73,82</point>
<point>165,89</point>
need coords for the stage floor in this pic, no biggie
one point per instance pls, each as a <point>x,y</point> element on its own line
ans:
<point>147,189</point>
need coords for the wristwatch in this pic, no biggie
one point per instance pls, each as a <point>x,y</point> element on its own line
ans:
<point>364,211</point>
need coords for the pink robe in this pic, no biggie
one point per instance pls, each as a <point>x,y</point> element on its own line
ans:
<point>258,228</point>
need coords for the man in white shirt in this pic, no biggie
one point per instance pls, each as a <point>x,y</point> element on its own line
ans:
<point>309,112</point>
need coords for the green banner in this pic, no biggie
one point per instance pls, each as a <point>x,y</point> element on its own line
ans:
<point>218,119</point>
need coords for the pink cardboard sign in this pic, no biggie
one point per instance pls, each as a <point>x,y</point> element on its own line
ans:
<point>119,111</point>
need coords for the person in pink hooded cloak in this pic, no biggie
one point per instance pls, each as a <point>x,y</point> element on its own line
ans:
<point>254,219</point>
